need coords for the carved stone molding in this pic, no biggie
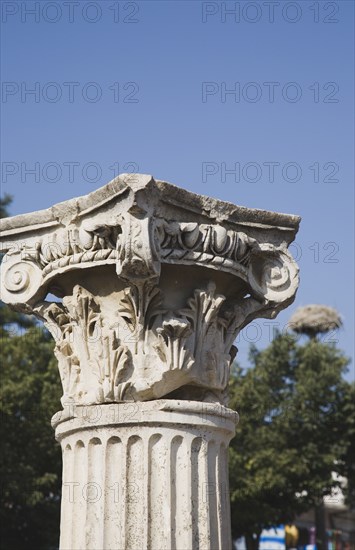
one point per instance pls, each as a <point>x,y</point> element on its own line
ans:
<point>155,283</point>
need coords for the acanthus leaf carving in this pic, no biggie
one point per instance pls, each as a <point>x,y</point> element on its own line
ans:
<point>137,307</point>
<point>124,340</point>
<point>166,350</point>
<point>202,311</point>
<point>171,347</point>
<point>115,359</point>
<point>91,362</point>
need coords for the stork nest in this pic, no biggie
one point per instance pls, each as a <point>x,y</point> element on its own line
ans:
<point>315,319</point>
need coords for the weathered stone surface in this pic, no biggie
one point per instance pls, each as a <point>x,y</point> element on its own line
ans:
<point>156,282</point>
<point>148,476</point>
<point>153,284</point>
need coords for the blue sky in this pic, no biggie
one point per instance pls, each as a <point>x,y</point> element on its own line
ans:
<point>148,86</point>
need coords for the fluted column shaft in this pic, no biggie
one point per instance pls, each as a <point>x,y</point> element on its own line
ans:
<point>148,475</point>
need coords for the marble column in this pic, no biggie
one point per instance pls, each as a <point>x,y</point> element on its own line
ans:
<point>148,475</point>
<point>144,287</point>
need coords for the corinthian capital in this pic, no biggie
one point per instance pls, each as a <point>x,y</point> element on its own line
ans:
<point>153,284</point>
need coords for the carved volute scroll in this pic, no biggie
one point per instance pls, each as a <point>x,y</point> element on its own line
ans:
<point>155,283</point>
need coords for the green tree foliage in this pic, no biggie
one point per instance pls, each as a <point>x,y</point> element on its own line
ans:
<point>347,458</point>
<point>30,458</point>
<point>4,203</point>
<point>291,435</point>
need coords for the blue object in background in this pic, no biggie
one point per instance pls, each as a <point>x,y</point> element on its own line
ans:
<point>273,538</point>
